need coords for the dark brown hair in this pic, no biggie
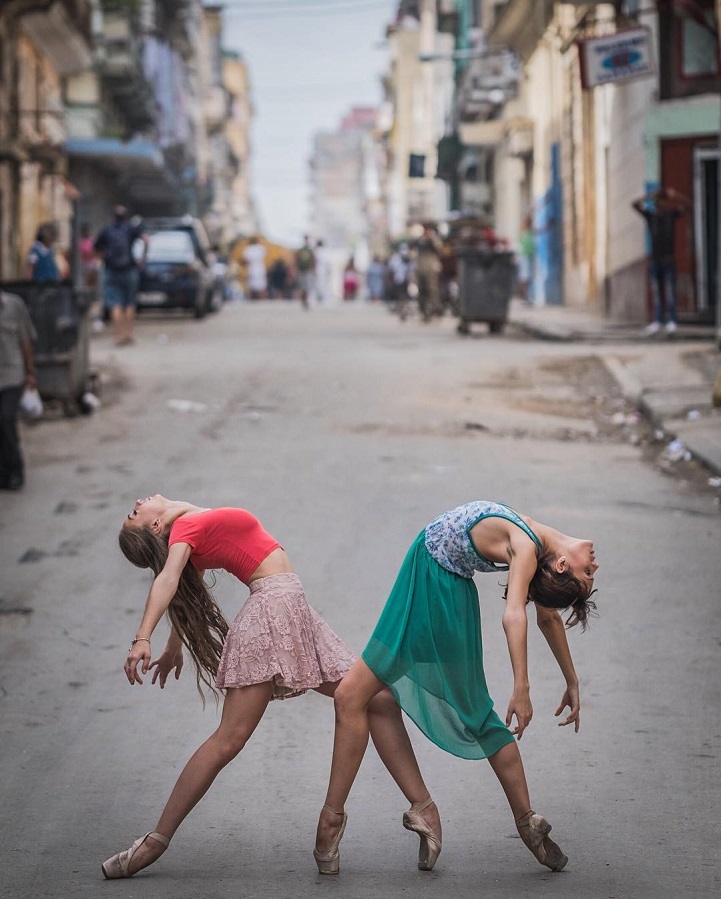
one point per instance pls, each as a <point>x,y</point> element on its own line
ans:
<point>193,612</point>
<point>560,590</point>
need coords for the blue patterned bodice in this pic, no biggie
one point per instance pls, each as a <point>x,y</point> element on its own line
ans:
<point>449,542</point>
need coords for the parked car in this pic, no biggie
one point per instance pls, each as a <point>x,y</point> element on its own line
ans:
<point>179,268</point>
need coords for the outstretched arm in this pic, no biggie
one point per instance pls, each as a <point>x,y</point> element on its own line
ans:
<point>161,593</point>
<point>515,624</point>
<point>552,628</point>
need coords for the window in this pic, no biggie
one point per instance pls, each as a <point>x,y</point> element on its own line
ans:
<point>171,246</point>
<point>699,50</point>
<point>688,54</point>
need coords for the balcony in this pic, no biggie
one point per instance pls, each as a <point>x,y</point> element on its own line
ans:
<point>520,24</point>
<point>62,34</point>
<point>486,85</point>
<point>519,133</point>
<point>119,64</point>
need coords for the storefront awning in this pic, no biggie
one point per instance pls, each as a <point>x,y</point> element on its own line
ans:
<point>138,165</point>
<point>138,155</point>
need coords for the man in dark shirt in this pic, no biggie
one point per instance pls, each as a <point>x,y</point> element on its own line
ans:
<point>662,208</point>
<point>120,271</point>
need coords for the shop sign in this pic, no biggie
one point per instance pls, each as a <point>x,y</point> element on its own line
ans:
<point>615,57</point>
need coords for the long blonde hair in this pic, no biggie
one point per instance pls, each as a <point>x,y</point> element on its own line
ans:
<point>193,612</point>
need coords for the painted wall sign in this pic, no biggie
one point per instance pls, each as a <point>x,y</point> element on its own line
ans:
<point>615,57</point>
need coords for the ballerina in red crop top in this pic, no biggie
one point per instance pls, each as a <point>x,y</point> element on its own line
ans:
<point>276,648</point>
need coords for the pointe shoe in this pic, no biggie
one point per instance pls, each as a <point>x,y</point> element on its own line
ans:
<point>329,861</point>
<point>430,847</point>
<point>118,865</point>
<point>541,845</point>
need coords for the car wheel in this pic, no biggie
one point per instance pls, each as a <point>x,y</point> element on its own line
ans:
<point>215,302</point>
<point>201,306</point>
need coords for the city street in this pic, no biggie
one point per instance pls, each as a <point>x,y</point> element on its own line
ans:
<point>345,431</point>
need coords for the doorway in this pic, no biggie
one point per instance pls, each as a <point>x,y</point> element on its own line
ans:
<point>706,222</point>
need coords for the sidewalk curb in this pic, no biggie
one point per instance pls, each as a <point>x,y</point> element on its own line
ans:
<point>634,392</point>
<point>625,334</point>
<point>631,387</point>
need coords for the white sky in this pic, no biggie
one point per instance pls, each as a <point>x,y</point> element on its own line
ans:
<point>310,61</point>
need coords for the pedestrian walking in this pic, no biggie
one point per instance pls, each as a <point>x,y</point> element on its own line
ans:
<point>376,278</point>
<point>89,263</point>
<point>278,647</point>
<point>305,264</point>
<point>526,259</point>
<point>17,371</point>
<point>278,279</point>
<point>42,264</point>
<point>428,266</point>
<point>256,274</point>
<point>121,271</point>
<point>427,648</point>
<point>351,280</point>
<point>322,272</point>
<point>662,208</point>
<point>400,270</point>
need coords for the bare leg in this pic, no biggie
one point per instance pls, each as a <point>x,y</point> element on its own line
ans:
<point>129,322</point>
<point>242,710</point>
<point>364,705</point>
<point>352,698</point>
<point>393,744</point>
<point>508,768</point>
<point>118,319</point>
<point>533,829</point>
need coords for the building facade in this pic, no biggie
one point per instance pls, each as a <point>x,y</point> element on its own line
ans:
<point>573,154</point>
<point>40,47</point>
<point>118,101</point>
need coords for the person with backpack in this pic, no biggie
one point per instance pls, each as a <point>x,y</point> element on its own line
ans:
<point>305,263</point>
<point>120,271</point>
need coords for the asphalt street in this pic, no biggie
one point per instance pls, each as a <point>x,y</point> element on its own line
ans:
<point>346,431</point>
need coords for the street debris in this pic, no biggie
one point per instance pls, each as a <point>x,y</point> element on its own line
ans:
<point>677,451</point>
<point>186,406</point>
<point>90,401</point>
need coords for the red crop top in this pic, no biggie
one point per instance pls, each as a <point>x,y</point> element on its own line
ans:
<point>232,539</point>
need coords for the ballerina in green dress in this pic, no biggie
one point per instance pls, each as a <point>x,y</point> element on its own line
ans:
<point>427,648</point>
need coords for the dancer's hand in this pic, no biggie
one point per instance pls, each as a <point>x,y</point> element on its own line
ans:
<point>572,700</point>
<point>520,706</point>
<point>164,664</point>
<point>138,653</point>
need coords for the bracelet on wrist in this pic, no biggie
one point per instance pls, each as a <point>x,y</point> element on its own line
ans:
<point>138,640</point>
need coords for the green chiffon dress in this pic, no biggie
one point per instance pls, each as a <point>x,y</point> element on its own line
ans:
<point>427,645</point>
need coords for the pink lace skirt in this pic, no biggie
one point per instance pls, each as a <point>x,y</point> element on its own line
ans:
<point>277,637</point>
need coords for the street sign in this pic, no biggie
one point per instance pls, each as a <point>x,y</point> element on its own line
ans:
<point>615,57</point>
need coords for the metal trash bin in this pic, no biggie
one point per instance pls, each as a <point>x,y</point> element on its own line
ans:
<point>486,283</point>
<point>60,313</point>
